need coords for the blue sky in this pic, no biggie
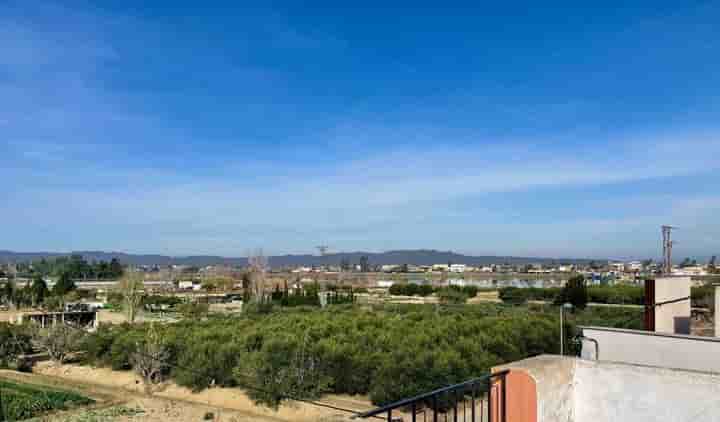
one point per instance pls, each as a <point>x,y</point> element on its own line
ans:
<point>552,129</point>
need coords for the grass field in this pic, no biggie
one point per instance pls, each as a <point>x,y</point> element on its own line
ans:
<point>22,401</point>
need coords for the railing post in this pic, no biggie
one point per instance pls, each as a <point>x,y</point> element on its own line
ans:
<point>435,408</point>
<point>472,404</point>
<point>414,410</point>
<point>389,418</point>
<point>504,401</point>
<point>455,408</point>
<point>490,399</point>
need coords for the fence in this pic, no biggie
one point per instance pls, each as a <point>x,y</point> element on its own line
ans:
<point>468,401</point>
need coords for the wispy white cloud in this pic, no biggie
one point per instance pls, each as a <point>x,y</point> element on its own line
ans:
<point>60,124</point>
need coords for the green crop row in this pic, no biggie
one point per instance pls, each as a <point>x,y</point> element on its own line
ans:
<point>22,401</point>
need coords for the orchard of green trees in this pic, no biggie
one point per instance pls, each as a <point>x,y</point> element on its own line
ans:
<point>386,352</point>
<point>701,296</point>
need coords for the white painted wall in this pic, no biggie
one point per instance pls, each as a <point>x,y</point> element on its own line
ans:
<point>717,309</point>
<point>653,349</point>
<point>606,392</point>
<point>672,317</point>
<point>576,390</point>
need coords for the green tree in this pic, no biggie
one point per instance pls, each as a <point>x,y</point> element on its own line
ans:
<point>150,358</point>
<point>78,266</point>
<point>14,341</point>
<point>132,289</point>
<point>452,296</point>
<point>712,269</point>
<point>7,292</point>
<point>364,264</point>
<point>345,264</point>
<point>64,285</point>
<point>574,292</point>
<point>116,269</point>
<point>38,291</point>
<point>59,341</point>
<point>193,310</point>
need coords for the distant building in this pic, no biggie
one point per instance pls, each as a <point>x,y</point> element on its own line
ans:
<point>189,285</point>
<point>385,283</point>
<point>388,268</point>
<point>457,268</point>
<point>634,266</point>
<point>457,282</point>
<point>617,266</point>
<point>693,270</point>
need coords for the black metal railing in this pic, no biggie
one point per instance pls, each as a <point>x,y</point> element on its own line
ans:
<point>476,400</point>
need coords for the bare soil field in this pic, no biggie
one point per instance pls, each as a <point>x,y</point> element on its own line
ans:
<point>175,403</point>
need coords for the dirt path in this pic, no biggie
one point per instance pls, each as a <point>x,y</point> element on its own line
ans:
<point>118,404</point>
<point>175,403</point>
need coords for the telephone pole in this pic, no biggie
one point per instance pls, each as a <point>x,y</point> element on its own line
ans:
<point>667,249</point>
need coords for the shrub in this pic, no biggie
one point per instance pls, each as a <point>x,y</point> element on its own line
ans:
<point>517,295</point>
<point>14,341</point>
<point>193,310</point>
<point>411,289</point>
<point>618,294</point>
<point>450,296</point>
<point>574,292</point>
<point>59,341</point>
<point>388,352</point>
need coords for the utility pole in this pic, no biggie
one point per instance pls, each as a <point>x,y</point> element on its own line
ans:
<point>667,249</point>
<point>567,306</point>
<point>2,409</point>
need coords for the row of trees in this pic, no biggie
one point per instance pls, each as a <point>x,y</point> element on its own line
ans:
<point>75,266</point>
<point>387,352</point>
<point>702,296</point>
<point>449,292</point>
<point>36,293</point>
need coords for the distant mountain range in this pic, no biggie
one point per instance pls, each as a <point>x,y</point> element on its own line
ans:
<point>412,257</point>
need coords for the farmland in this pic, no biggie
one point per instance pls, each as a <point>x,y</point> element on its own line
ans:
<point>386,352</point>
<point>23,401</point>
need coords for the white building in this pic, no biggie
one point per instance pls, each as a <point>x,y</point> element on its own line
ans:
<point>634,266</point>
<point>693,270</point>
<point>617,266</point>
<point>457,268</point>
<point>189,285</point>
<point>385,283</point>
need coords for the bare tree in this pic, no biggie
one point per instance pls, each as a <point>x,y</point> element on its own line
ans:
<point>59,341</point>
<point>132,289</point>
<point>149,358</point>
<point>257,263</point>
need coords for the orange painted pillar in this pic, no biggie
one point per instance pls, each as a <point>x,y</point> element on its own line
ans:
<point>513,398</point>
